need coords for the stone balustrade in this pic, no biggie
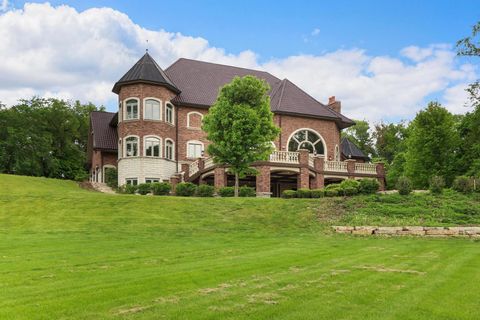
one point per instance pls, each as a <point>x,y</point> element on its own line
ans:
<point>284,157</point>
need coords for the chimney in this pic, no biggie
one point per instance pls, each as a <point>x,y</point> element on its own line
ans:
<point>334,104</point>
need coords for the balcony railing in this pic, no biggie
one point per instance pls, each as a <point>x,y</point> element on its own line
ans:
<point>193,168</point>
<point>335,166</point>
<point>365,168</point>
<point>284,157</point>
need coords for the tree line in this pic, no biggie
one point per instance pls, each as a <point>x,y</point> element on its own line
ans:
<point>45,137</point>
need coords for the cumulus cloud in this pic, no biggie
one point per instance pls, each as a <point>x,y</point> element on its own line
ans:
<point>58,51</point>
<point>4,5</point>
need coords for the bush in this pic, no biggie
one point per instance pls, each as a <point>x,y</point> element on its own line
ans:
<point>205,190</point>
<point>246,191</point>
<point>161,188</point>
<point>185,189</point>
<point>437,183</point>
<point>289,194</point>
<point>226,192</point>
<point>318,193</point>
<point>332,192</point>
<point>81,176</point>
<point>350,183</point>
<point>127,189</point>
<point>144,188</point>
<point>462,184</point>
<point>304,193</point>
<point>349,191</point>
<point>111,177</point>
<point>368,186</point>
<point>404,186</point>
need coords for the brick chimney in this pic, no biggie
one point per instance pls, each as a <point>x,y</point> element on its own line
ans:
<point>334,104</point>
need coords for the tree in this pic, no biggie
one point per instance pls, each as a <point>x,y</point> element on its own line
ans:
<point>470,46</point>
<point>389,140</point>
<point>360,135</point>
<point>432,146</point>
<point>240,125</point>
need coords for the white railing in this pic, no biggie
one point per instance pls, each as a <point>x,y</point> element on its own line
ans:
<point>193,168</point>
<point>208,163</point>
<point>365,168</point>
<point>311,160</point>
<point>284,157</point>
<point>335,166</point>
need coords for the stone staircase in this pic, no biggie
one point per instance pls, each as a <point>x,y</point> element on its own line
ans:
<point>102,187</point>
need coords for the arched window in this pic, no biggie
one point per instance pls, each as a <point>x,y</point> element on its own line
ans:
<point>152,109</point>
<point>306,139</point>
<point>194,149</point>
<point>152,147</point>
<point>169,112</point>
<point>169,149</point>
<point>131,109</point>
<point>131,147</point>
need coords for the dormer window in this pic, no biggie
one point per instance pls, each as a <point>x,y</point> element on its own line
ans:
<point>131,109</point>
<point>152,109</point>
<point>169,113</point>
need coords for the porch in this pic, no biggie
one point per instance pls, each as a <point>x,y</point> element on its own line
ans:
<point>285,170</point>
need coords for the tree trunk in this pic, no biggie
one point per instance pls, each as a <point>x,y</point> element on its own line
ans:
<point>236,184</point>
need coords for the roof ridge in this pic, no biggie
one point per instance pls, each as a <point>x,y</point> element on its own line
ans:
<point>224,65</point>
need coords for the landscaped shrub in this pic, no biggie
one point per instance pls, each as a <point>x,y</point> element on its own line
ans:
<point>205,190</point>
<point>144,188</point>
<point>246,191</point>
<point>349,191</point>
<point>226,192</point>
<point>161,188</point>
<point>332,192</point>
<point>111,177</point>
<point>437,183</point>
<point>127,189</point>
<point>185,189</point>
<point>462,184</point>
<point>289,194</point>
<point>304,193</point>
<point>368,186</point>
<point>81,176</point>
<point>349,187</point>
<point>404,186</point>
<point>318,193</point>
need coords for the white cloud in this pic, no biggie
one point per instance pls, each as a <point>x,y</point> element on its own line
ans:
<point>4,5</point>
<point>57,51</point>
<point>315,32</point>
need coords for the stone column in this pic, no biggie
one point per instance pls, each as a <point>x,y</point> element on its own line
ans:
<point>380,166</point>
<point>319,181</point>
<point>174,181</point>
<point>263,182</point>
<point>303,180</point>
<point>220,178</point>
<point>350,168</point>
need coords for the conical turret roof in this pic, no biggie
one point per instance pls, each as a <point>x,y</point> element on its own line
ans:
<point>146,70</point>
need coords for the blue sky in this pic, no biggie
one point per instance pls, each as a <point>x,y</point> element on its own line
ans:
<point>384,59</point>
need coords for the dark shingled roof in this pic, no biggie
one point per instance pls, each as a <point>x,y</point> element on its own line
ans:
<point>351,151</point>
<point>146,70</point>
<point>104,135</point>
<point>199,83</point>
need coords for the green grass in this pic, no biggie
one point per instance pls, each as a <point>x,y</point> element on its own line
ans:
<point>73,254</point>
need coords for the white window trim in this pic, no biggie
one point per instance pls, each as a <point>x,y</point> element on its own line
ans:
<point>120,111</point>
<point>125,146</point>
<point>194,142</point>
<point>188,119</point>
<point>125,108</point>
<point>145,104</point>
<point>173,149</point>
<point>126,179</point>
<point>325,149</point>
<point>173,113</point>
<point>152,178</point>
<point>145,146</point>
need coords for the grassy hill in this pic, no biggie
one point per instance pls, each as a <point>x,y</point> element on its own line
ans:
<point>74,254</point>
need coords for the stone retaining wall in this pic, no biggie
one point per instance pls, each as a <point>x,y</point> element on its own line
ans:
<point>410,231</point>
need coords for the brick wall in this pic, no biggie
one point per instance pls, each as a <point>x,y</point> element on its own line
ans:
<point>194,132</point>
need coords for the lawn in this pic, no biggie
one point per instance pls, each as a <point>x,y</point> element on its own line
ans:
<point>74,254</point>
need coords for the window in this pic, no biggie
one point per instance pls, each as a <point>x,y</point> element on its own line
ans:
<point>306,139</point>
<point>169,149</point>
<point>152,147</point>
<point>152,180</point>
<point>194,149</point>
<point>131,109</point>
<point>152,109</point>
<point>337,153</point>
<point>131,147</point>
<point>169,112</point>
<point>132,181</point>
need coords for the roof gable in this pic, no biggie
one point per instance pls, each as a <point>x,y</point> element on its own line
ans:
<point>104,135</point>
<point>351,150</point>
